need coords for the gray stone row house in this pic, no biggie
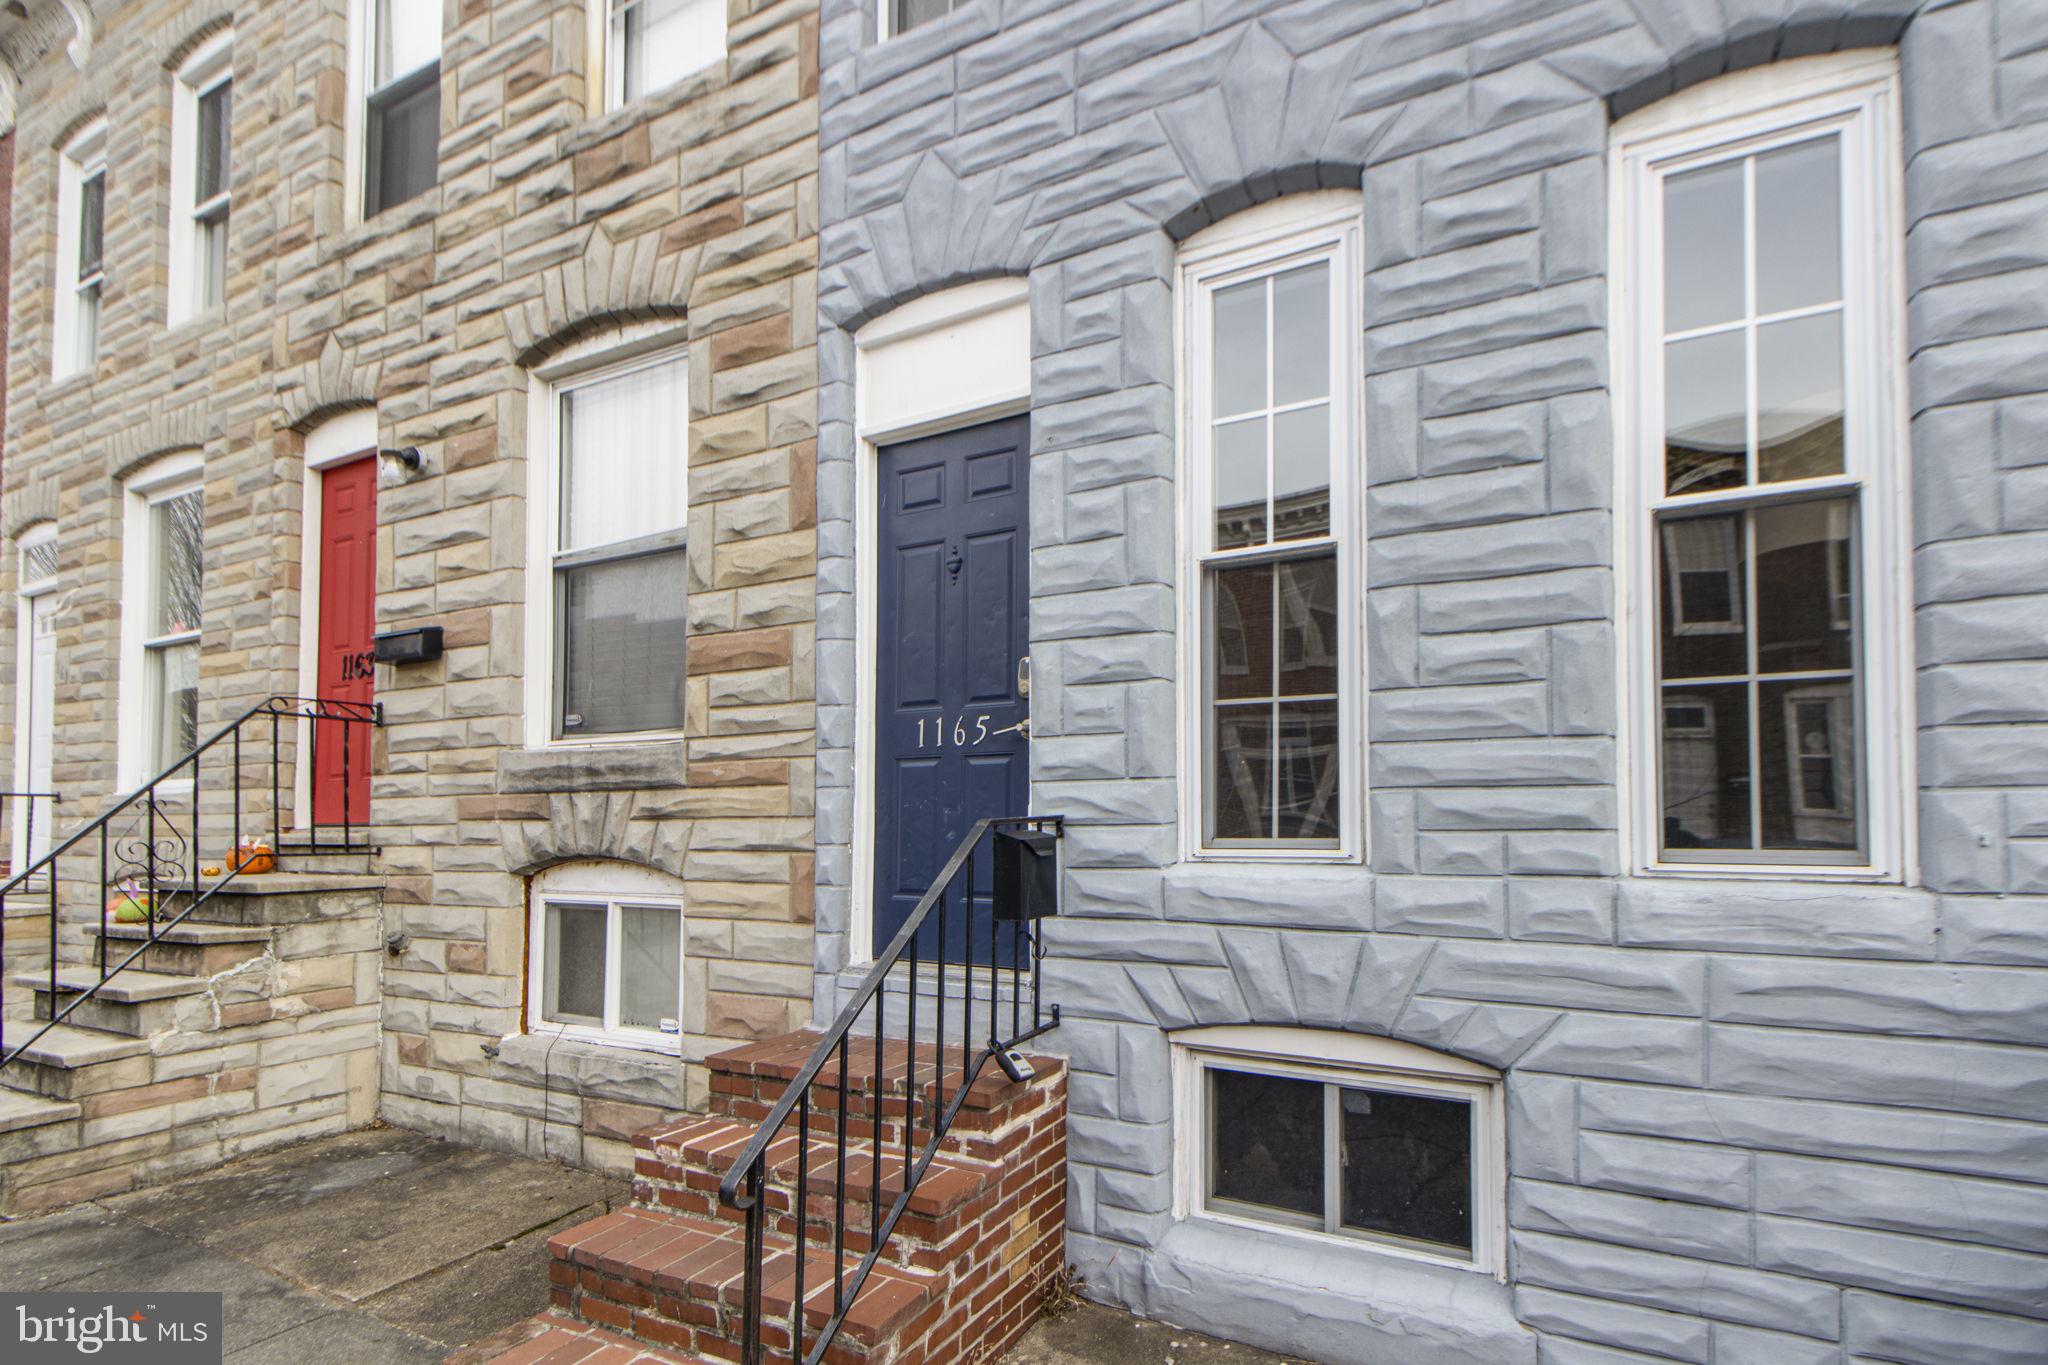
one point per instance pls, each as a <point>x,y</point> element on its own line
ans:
<point>1513,532</point>
<point>1537,591</point>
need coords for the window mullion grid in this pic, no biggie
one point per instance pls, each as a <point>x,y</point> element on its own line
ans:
<point>1754,687</point>
<point>613,937</point>
<point>1333,1164</point>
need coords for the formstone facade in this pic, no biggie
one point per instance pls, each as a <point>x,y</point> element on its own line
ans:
<point>1763,1119</point>
<point>690,212</point>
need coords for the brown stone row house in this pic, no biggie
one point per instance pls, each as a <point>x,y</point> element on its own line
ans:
<point>338,318</point>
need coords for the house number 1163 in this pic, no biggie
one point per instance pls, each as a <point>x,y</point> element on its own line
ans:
<point>962,737</point>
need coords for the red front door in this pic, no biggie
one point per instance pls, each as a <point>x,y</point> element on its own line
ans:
<point>348,620</point>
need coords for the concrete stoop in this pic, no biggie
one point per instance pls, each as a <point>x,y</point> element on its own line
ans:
<point>251,1025</point>
<point>962,1277</point>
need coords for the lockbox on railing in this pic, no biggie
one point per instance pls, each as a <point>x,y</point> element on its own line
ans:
<point>1027,874</point>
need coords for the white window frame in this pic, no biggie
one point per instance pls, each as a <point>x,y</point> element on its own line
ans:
<point>885,19</point>
<point>361,85</point>
<point>586,362</point>
<point>615,885</point>
<point>170,477</point>
<point>1856,94</point>
<point>209,67</point>
<point>28,593</point>
<point>606,41</point>
<point>1262,241</point>
<point>83,157</point>
<point>1350,1059</point>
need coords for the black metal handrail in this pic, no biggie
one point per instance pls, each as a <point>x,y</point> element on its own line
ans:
<point>152,856</point>
<point>745,1184</point>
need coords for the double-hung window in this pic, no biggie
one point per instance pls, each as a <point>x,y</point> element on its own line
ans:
<point>650,44</point>
<point>163,593</point>
<point>201,117</point>
<point>1362,1139</point>
<point>615,552</point>
<point>608,960</point>
<point>402,107</point>
<point>81,250</point>
<point>900,16</point>
<point>1763,448</point>
<point>1271,436</point>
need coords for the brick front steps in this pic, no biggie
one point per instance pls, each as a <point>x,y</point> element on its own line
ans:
<point>961,1277</point>
<point>251,1027</point>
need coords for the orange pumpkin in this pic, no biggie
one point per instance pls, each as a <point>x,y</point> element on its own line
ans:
<point>253,857</point>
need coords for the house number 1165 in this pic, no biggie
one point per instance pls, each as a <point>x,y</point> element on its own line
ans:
<point>962,736</point>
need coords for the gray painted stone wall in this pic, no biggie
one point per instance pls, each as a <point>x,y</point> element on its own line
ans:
<point>1754,1122</point>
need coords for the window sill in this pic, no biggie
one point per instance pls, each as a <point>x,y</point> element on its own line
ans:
<point>1321,1303</point>
<point>1818,873</point>
<point>619,118</point>
<point>582,1067</point>
<point>72,381</point>
<point>195,323</point>
<point>622,766</point>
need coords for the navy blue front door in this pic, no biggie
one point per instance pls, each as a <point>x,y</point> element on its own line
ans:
<point>954,589</point>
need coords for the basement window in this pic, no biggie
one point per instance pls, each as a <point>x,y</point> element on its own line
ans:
<point>607,960</point>
<point>1363,1141</point>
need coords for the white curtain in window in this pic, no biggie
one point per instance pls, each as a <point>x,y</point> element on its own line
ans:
<point>625,452</point>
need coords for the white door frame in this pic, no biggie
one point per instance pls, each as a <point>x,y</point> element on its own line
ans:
<point>337,441</point>
<point>972,346</point>
<point>29,594</point>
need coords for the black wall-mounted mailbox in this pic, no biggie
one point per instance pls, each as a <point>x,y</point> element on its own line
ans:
<point>421,644</point>
<point>1027,874</point>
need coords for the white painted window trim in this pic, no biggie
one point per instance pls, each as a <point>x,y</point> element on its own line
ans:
<point>1345,1059</point>
<point>607,75</point>
<point>586,361</point>
<point>615,884</point>
<point>1257,242</point>
<point>359,85</point>
<point>1858,94</point>
<point>975,340</point>
<point>337,441</point>
<point>81,158</point>
<point>27,591</point>
<point>885,19</point>
<point>206,69</point>
<point>172,476</point>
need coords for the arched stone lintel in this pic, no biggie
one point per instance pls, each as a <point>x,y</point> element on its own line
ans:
<point>331,383</point>
<point>1764,41</point>
<point>609,286</point>
<point>30,506</point>
<point>178,37</point>
<point>594,825</point>
<point>166,429</point>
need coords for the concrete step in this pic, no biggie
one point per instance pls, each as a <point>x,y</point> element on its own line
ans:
<point>272,898</point>
<point>674,1282</point>
<point>563,1341</point>
<point>19,1112</point>
<point>68,1063</point>
<point>135,1002</point>
<point>297,856</point>
<point>192,948</point>
<point>132,987</point>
